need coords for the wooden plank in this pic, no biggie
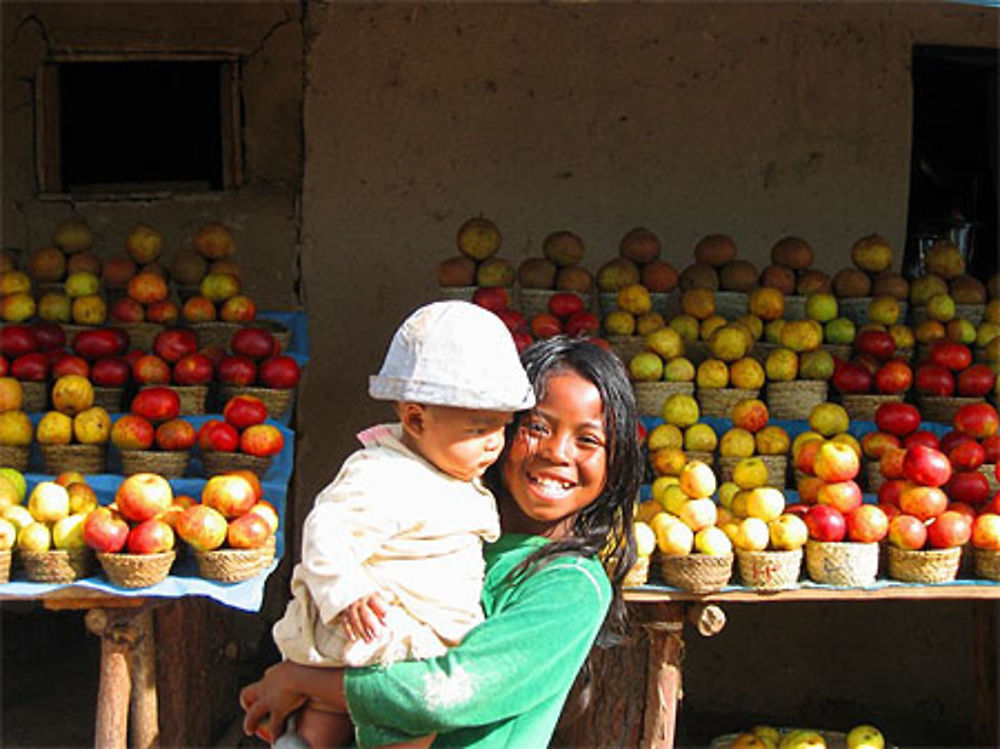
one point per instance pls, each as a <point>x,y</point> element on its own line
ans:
<point>663,685</point>
<point>144,724</point>
<point>984,592</point>
<point>985,665</point>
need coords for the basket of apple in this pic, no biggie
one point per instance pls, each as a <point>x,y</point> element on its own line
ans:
<point>873,377</point>
<point>74,436</point>
<point>132,541</point>
<point>723,381</point>
<point>897,426</point>
<point>232,530</point>
<point>16,429</point>
<point>147,448</point>
<point>176,362</point>
<point>629,319</point>
<point>28,350</point>
<point>241,439</point>
<point>51,546</point>
<point>556,271</point>
<point>70,251</point>
<point>796,381</point>
<point>750,436</point>
<point>695,554</point>
<point>986,343</point>
<point>948,379</point>
<point>681,437</point>
<point>767,539</point>
<point>103,351</point>
<point>986,536</point>
<point>566,313</point>
<point>946,286</point>
<point>256,367</point>
<point>791,270</point>
<point>660,370</point>
<point>211,251</point>
<point>927,536</point>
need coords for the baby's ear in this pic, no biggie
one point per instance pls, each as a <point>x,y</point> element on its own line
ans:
<point>412,416</point>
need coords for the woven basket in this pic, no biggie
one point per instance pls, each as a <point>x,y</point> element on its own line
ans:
<point>638,574</point>
<point>5,557</point>
<point>216,462</point>
<point>277,400</point>
<point>57,566</point>
<point>626,346</point>
<point>15,456</point>
<point>697,573</point>
<point>854,308</point>
<point>839,350</point>
<point>769,570</point>
<point>34,396</point>
<point>974,313</point>
<point>215,333</point>
<point>924,566</point>
<point>75,457</point>
<point>71,329</point>
<point>667,303</point>
<point>282,334</point>
<point>168,463</point>
<point>607,302</point>
<point>795,399</point>
<point>193,398</point>
<point>731,304</point>
<point>136,570</point>
<point>862,407</point>
<point>140,334</point>
<point>531,302</point>
<point>720,401</point>
<point>706,458</point>
<point>109,398</point>
<point>989,471</point>
<point>844,563</point>
<point>762,349</point>
<point>941,409</point>
<point>988,564</point>
<point>873,475</point>
<point>777,469</point>
<point>649,396</point>
<point>457,292</point>
<point>795,307</point>
<point>233,565</point>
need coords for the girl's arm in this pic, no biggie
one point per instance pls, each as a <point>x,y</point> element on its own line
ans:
<point>522,655</point>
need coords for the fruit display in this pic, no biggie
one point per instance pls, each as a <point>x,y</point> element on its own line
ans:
<point>74,435</point>
<point>861,736</point>
<point>477,263</point>
<point>638,263</point>
<point>144,447</point>
<point>255,366</point>
<point>241,439</point>
<point>50,538</point>
<point>751,444</point>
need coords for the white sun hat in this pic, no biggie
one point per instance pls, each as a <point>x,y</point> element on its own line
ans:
<point>457,354</point>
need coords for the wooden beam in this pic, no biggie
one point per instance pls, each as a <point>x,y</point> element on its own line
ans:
<point>663,683</point>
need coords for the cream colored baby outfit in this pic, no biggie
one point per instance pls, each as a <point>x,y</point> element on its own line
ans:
<point>392,523</point>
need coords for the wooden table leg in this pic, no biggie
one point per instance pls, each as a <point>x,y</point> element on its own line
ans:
<point>986,664</point>
<point>145,725</point>
<point>111,728</point>
<point>663,683</point>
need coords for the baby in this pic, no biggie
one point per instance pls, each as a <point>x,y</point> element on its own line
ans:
<point>392,564</point>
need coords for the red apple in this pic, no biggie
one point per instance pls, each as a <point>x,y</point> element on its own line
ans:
<point>110,371</point>
<point>899,419</point>
<point>986,531</point>
<point>907,532</point>
<point>583,325</point>
<point>267,511</point>
<point>875,343</point>
<point>252,478</point>
<point>522,339</point>
<point>950,355</point>
<point>198,309</point>
<point>844,496</point>
<point>218,436</point>
<point>150,369</point>
<point>173,344</point>
<point>143,496</point>
<point>890,511</point>
<point>923,437</point>
<point>563,304</point>
<point>890,490</point>
<point>231,495</point>
<point>279,372</point>
<point>49,335</point>
<point>825,523</point>
<point>70,364</point>
<point>852,378</point>
<point>806,458</point>
<point>545,325</point>
<point>809,487</point>
<point>126,310</point>
<point>952,439</point>
<point>17,340</point>
<point>249,531</point>
<point>874,444</point>
<point>924,502</point>
<point>968,455</point>
<point>176,434</point>
<point>239,308</point>
<point>96,343</point>
<point>236,370</point>
<point>164,312</point>
<point>255,342</point>
<point>152,536</point>
<point>968,486</point>
<point>991,449</point>
<point>836,461</point>
<point>193,369</point>
<point>933,379</point>
<point>797,508</point>
<point>261,440</point>
<point>491,297</point>
<point>894,376</point>
<point>976,381</point>
<point>978,420</point>
<point>157,404</point>
<point>993,505</point>
<point>867,524</point>
<point>105,530</point>
<point>202,528</point>
<point>927,466</point>
<point>513,319</point>
<point>891,463</point>
<point>966,509</point>
<point>243,411</point>
<point>4,366</point>
<point>132,432</point>
<point>33,367</point>
<point>948,530</point>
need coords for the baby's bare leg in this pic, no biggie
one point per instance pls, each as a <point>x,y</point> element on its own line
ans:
<point>321,728</point>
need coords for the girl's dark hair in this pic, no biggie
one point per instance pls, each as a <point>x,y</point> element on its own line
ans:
<point>604,527</point>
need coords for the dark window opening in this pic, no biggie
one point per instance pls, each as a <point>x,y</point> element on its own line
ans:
<point>953,171</point>
<point>129,126</point>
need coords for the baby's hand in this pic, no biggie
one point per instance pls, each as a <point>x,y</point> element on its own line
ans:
<point>363,618</point>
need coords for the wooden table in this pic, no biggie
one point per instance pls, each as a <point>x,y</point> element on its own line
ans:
<point>671,609</point>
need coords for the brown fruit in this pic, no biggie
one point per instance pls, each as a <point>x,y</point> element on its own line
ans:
<point>640,246</point>
<point>699,276</point>
<point>792,252</point>
<point>945,259</point>
<point>478,238</point>
<point>456,271</point>
<point>891,284</point>
<point>813,281</point>
<point>851,282</point>
<point>738,275</point>
<point>574,278</point>
<point>715,250</point>
<point>659,275</point>
<point>495,271</point>
<point>118,270</point>
<point>188,267</point>
<point>616,273</point>
<point>73,235</point>
<point>967,290</point>
<point>778,277</point>
<point>872,253</point>
<point>563,248</point>
<point>536,273</point>
<point>226,265</point>
<point>47,264</point>
<point>214,241</point>
<point>84,261</point>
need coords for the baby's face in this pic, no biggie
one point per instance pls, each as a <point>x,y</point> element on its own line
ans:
<point>462,442</point>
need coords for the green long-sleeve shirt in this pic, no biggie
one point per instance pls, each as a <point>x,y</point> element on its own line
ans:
<point>505,685</point>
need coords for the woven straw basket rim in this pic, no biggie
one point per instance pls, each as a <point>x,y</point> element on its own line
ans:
<point>846,563</point>
<point>942,408</point>
<point>705,457</point>
<point>233,565</point>
<point>193,398</point>
<point>720,401</point>
<point>649,396</point>
<point>141,334</point>
<point>215,332</point>
<point>988,564</point>
<point>15,456</point>
<point>34,395</point>
<point>169,463</point>
<point>74,457</point>
<point>222,462</point>
<point>795,399</point>
<point>457,292</point>
<point>697,573</point>
<point>862,406</point>
<point>136,570</point>
<point>5,559</point>
<point>57,565</point>
<point>771,569</point>
<point>924,565</point>
<point>777,468</point>
<point>275,399</point>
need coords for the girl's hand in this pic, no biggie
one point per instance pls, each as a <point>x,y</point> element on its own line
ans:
<point>363,618</point>
<point>268,703</point>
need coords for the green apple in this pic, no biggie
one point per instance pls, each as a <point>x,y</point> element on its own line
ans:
<point>68,532</point>
<point>17,478</point>
<point>865,737</point>
<point>840,331</point>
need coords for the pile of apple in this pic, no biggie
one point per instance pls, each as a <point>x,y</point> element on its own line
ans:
<point>632,312</point>
<point>759,520</point>
<point>255,360</point>
<point>136,521</point>
<point>558,268</point>
<point>232,514</point>
<point>175,360</point>
<point>949,371</point>
<point>681,433</point>
<point>132,431</point>
<point>54,516</point>
<point>684,515</point>
<point>827,422</point>
<point>638,262</point>
<point>74,420</point>
<point>897,426</point>
<point>242,428</point>
<point>567,315</point>
<point>662,358</point>
<point>16,429</point>
<point>477,263</point>
<point>27,351</point>
<point>973,447</point>
<point>751,436</point>
<point>875,368</point>
<point>17,303</point>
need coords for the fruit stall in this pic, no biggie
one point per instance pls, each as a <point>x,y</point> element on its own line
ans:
<point>147,446</point>
<point>807,437</point>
